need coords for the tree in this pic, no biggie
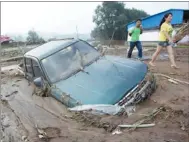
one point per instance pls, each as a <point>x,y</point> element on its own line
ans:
<point>134,14</point>
<point>108,18</point>
<point>33,38</point>
<point>19,38</point>
<point>111,19</point>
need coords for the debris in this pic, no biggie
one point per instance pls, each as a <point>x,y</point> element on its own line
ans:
<point>5,121</point>
<point>180,81</point>
<point>18,80</point>
<point>24,138</point>
<point>182,32</point>
<point>182,126</point>
<point>172,73</point>
<point>139,126</point>
<point>41,136</point>
<point>148,117</point>
<point>143,114</point>
<point>20,72</point>
<point>50,113</point>
<point>13,70</point>
<point>15,85</point>
<point>130,110</point>
<point>172,81</point>
<point>99,109</point>
<point>116,132</point>
<point>12,59</point>
<point>170,140</point>
<point>40,131</point>
<point>11,94</point>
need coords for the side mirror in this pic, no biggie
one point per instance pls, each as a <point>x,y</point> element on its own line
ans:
<point>39,82</point>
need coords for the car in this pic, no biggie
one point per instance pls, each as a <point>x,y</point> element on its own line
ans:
<point>75,74</point>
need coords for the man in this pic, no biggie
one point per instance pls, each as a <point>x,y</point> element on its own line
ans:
<point>135,34</point>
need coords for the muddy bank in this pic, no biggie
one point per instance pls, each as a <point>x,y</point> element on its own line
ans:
<point>27,116</point>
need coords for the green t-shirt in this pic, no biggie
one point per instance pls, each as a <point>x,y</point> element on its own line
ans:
<point>135,34</point>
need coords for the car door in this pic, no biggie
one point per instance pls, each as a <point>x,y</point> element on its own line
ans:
<point>32,69</point>
<point>28,69</point>
<point>36,69</point>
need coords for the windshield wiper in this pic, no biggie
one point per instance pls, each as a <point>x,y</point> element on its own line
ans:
<point>82,69</point>
<point>81,62</point>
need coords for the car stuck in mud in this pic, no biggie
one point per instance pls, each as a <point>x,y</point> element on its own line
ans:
<point>35,118</point>
<point>75,73</point>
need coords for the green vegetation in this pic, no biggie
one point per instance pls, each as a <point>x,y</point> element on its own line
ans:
<point>111,19</point>
<point>182,46</point>
<point>33,38</point>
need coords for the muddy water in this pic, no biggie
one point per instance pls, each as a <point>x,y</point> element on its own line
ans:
<point>25,114</point>
<point>55,119</point>
<point>30,110</point>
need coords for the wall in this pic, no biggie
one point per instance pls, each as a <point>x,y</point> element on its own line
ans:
<point>148,36</point>
<point>151,37</point>
<point>153,21</point>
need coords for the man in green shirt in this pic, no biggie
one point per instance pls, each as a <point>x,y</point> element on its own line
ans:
<point>135,34</point>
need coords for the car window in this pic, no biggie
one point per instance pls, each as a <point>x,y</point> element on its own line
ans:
<point>36,69</point>
<point>69,61</point>
<point>87,51</point>
<point>28,66</point>
<point>62,64</point>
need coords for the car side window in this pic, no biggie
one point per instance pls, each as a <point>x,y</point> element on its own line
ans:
<point>28,66</point>
<point>36,69</point>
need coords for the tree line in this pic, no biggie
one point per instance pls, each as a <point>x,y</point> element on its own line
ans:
<point>111,19</point>
<point>32,38</point>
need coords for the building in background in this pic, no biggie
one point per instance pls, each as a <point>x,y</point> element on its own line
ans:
<point>151,26</point>
<point>5,39</point>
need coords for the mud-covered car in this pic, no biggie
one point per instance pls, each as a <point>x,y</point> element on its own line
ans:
<point>75,73</point>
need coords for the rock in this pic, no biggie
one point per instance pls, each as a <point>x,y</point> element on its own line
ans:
<point>116,132</point>
<point>24,138</point>
<point>182,126</point>
<point>41,136</point>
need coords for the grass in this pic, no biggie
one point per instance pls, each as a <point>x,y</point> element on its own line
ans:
<point>182,46</point>
<point>7,46</point>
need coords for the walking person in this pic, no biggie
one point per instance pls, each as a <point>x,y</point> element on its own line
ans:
<point>135,35</point>
<point>165,40</point>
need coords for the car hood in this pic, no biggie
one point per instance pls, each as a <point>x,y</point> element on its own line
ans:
<point>107,81</point>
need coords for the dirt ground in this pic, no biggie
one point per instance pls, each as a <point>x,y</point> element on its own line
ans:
<point>24,116</point>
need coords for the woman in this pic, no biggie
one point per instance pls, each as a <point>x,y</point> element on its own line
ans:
<point>165,40</point>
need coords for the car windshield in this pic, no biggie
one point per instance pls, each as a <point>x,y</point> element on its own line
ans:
<point>69,60</point>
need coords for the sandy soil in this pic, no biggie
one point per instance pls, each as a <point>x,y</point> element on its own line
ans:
<point>21,112</point>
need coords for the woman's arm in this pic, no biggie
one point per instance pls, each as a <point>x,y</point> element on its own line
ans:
<point>167,36</point>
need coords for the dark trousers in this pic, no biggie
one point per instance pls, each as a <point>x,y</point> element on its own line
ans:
<point>138,46</point>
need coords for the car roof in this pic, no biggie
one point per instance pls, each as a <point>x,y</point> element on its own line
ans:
<point>49,48</point>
